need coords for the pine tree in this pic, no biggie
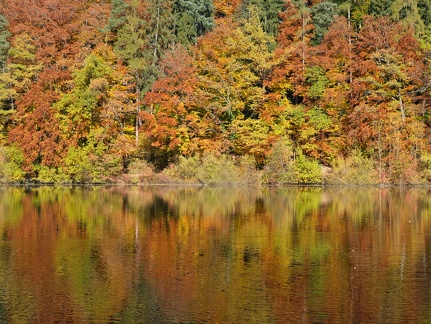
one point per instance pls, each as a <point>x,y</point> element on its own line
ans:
<point>118,15</point>
<point>4,44</point>
<point>380,8</point>
<point>271,19</point>
<point>424,7</point>
<point>161,26</point>
<point>323,15</point>
<point>193,19</point>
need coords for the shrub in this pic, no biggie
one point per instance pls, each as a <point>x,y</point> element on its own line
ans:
<point>355,169</point>
<point>403,169</point>
<point>279,164</point>
<point>11,161</point>
<point>286,165</point>
<point>51,175</point>
<point>78,165</point>
<point>425,166</point>
<point>186,169</point>
<point>84,165</point>
<point>216,170</point>
<point>211,169</point>
<point>306,170</point>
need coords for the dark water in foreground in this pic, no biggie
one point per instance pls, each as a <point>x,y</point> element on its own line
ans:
<point>159,255</point>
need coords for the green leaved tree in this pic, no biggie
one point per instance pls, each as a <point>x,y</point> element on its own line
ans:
<point>100,106</point>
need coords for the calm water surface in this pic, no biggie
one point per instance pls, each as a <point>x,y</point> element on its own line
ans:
<point>215,255</point>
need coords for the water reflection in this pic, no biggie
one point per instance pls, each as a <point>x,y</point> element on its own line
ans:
<point>171,255</point>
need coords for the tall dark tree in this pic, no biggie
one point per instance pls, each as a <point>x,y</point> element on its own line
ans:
<point>424,7</point>
<point>193,18</point>
<point>271,18</point>
<point>161,25</point>
<point>323,15</point>
<point>4,44</point>
<point>380,8</point>
<point>118,15</point>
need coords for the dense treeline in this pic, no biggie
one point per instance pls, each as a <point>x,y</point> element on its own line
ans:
<point>280,91</point>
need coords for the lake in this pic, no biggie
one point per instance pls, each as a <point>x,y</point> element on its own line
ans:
<point>215,255</point>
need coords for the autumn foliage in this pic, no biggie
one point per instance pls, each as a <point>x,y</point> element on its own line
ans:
<point>89,88</point>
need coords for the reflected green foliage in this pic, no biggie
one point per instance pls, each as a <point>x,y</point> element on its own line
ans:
<point>143,296</point>
<point>11,206</point>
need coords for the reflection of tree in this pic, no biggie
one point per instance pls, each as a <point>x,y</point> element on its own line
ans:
<point>61,269</point>
<point>214,254</point>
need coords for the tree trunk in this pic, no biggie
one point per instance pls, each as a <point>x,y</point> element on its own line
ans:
<point>403,113</point>
<point>156,37</point>
<point>138,110</point>
<point>350,48</point>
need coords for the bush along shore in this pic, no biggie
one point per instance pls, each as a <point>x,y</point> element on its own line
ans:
<point>283,167</point>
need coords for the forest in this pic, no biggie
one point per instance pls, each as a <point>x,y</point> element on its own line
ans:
<point>215,91</point>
